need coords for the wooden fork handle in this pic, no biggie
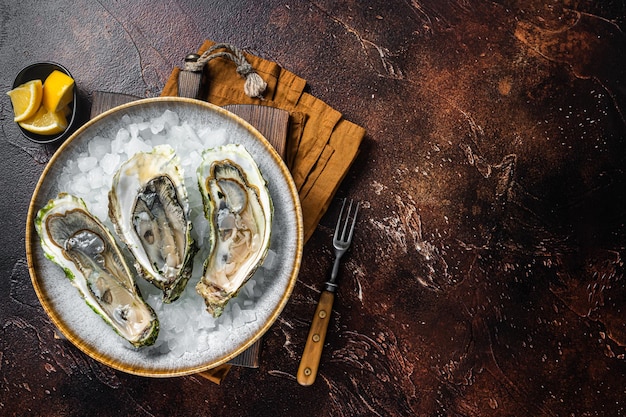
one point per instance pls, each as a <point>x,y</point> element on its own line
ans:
<point>310,361</point>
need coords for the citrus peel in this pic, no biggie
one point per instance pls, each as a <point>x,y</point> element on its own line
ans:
<point>26,99</point>
<point>42,107</point>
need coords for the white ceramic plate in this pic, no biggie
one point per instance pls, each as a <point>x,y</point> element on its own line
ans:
<point>218,344</point>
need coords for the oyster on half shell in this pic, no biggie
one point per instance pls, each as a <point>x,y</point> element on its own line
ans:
<point>149,207</point>
<point>80,244</point>
<point>239,210</point>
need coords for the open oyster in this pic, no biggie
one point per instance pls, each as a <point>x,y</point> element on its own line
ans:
<point>85,249</point>
<point>149,207</point>
<point>239,209</point>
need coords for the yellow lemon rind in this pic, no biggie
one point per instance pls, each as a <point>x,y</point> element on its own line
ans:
<point>45,122</point>
<point>58,91</point>
<point>34,91</point>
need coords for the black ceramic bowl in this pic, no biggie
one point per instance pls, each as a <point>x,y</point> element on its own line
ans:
<point>41,71</point>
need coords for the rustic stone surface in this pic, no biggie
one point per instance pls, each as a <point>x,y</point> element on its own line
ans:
<point>486,278</point>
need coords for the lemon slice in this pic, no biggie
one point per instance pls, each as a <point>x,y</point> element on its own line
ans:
<point>26,99</point>
<point>45,122</point>
<point>58,91</point>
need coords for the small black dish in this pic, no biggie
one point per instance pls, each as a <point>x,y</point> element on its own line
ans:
<point>40,71</point>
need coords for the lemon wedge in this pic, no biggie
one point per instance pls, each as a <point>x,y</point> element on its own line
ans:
<point>58,91</point>
<point>26,99</point>
<point>45,122</point>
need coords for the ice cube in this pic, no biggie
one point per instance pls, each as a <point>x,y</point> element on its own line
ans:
<point>236,310</point>
<point>203,344</point>
<point>100,209</point>
<point>136,145</point>
<point>170,118</point>
<point>121,139</point>
<point>206,321</point>
<point>195,158</point>
<point>157,125</point>
<point>80,185</point>
<point>178,136</point>
<point>86,163</point>
<point>96,177</point>
<point>270,258</point>
<point>212,138</point>
<point>248,289</point>
<point>257,292</point>
<point>179,349</point>
<point>64,181</point>
<point>109,163</point>
<point>248,316</point>
<point>98,147</point>
<point>226,320</point>
<point>193,141</point>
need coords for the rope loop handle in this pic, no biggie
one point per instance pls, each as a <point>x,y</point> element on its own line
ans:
<point>254,85</point>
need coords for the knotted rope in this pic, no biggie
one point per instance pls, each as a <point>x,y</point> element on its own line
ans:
<point>254,85</point>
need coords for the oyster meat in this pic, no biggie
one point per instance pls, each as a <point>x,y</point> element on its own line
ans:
<point>78,242</point>
<point>149,207</point>
<point>239,210</point>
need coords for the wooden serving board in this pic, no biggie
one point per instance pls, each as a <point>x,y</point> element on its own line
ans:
<point>269,121</point>
<point>272,123</point>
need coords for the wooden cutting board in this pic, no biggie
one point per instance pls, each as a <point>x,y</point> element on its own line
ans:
<point>271,123</point>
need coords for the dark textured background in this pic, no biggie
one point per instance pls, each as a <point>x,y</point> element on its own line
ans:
<point>486,278</point>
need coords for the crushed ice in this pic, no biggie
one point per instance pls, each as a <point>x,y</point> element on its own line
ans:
<point>184,324</point>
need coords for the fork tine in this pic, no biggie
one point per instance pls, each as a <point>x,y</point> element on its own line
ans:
<point>343,235</point>
<point>356,211</point>
<point>336,235</point>
<point>345,225</point>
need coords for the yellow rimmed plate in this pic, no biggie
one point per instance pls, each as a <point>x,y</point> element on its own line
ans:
<point>88,331</point>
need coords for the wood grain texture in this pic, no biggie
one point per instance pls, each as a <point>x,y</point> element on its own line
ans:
<point>271,122</point>
<point>310,361</point>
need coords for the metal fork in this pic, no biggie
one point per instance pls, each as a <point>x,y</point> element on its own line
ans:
<point>342,239</point>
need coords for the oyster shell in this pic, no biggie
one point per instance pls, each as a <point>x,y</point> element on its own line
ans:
<point>80,244</point>
<point>239,209</point>
<point>149,207</point>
